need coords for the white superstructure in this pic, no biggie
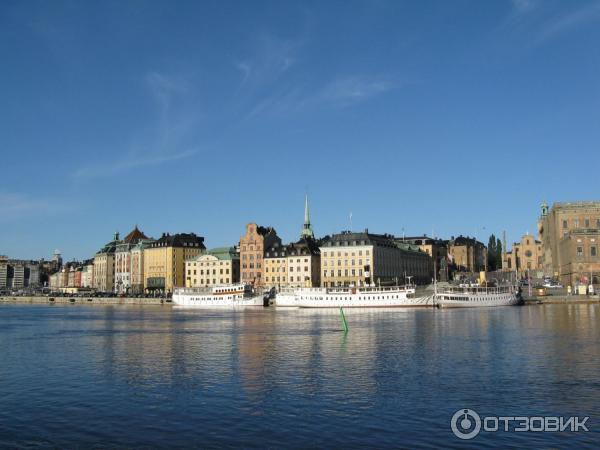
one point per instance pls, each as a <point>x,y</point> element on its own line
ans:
<point>352,297</point>
<point>218,296</point>
<point>468,297</point>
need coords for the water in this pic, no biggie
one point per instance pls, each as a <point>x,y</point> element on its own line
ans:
<point>159,377</point>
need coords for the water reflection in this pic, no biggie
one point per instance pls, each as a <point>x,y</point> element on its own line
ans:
<point>256,375</point>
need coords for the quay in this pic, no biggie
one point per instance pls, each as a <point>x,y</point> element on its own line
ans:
<point>85,300</point>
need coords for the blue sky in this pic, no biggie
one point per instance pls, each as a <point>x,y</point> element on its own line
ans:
<point>454,117</point>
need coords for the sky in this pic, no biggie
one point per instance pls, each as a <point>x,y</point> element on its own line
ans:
<point>417,117</point>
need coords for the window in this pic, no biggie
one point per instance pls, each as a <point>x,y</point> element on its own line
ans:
<point>593,250</point>
<point>587,223</point>
<point>579,251</point>
<point>565,225</point>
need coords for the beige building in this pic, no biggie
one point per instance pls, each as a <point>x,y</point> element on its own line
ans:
<point>525,257</point>
<point>276,271</point>
<point>3,271</point>
<point>123,282</point>
<point>218,266</point>
<point>104,266</point>
<point>363,258</point>
<point>137,265</point>
<point>252,251</point>
<point>164,261</point>
<point>570,233</point>
<point>467,254</point>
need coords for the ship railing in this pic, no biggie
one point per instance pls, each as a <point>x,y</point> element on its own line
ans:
<point>344,289</point>
<point>479,290</point>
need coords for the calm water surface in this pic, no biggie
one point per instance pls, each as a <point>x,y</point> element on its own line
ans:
<point>147,377</point>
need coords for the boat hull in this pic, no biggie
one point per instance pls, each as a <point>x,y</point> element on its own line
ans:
<point>200,302</point>
<point>351,301</point>
<point>478,300</point>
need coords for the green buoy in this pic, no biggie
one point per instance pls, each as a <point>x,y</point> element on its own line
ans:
<point>344,321</point>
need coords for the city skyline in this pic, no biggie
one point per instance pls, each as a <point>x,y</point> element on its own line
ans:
<point>458,120</point>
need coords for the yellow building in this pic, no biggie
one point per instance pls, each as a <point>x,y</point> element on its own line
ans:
<point>216,267</point>
<point>525,256</point>
<point>361,259</point>
<point>164,261</point>
<point>276,270</point>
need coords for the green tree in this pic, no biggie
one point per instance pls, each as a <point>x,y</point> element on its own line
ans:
<point>498,254</point>
<point>491,253</point>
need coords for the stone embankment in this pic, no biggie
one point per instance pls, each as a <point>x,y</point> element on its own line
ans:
<point>85,300</point>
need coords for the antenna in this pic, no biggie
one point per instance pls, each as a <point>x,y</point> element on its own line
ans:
<point>350,220</point>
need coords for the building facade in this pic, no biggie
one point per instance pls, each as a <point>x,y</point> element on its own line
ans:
<point>164,261</point>
<point>276,269</point>
<point>467,254</point>
<point>570,233</point>
<point>137,265</point>
<point>3,271</point>
<point>218,266</point>
<point>525,257</point>
<point>123,283</point>
<point>104,266</point>
<point>361,259</point>
<point>252,251</point>
<point>436,248</point>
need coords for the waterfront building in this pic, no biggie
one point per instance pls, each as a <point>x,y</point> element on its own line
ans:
<point>252,251</point>
<point>54,281</point>
<point>3,271</point>
<point>216,267</point>
<point>87,274</point>
<point>16,275</point>
<point>123,260</point>
<point>436,248</point>
<point>104,266</point>
<point>570,236</point>
<point>304,262</point>
<point>137,265</point>
<point>363,258</point>
<point>525,257</point>
<point>276,268</point>
<point>164,261</point>
<point>467,254</point>
<point>71,269</point>
<point>32,274</point>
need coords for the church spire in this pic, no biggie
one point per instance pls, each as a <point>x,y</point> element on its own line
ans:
<point>307,231</point>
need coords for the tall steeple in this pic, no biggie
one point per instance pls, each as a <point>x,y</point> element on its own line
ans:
<point>307,231</point>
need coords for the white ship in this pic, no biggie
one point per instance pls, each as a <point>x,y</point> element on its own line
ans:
<point>468,297</point>
<point>352,297</point>
<point>218,296</point>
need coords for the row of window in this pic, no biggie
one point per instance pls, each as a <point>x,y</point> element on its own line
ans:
<point>251,266</point>
<point>282,279</point>
<point>593,251</point>
<point>291,269</point>
<point>332,254</point>
<point>347,272</point>
<point>214,271</point>
<point>576,223</point>
<point>339,262</point>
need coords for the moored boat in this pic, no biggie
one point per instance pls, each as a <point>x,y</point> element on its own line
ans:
<point>352,297</point>
<point>469,297</point>
<point>218,296</point>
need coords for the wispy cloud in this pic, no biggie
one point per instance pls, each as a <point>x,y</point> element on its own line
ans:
<point>129,163</point>
<point>349,90</point>
<point>162,147</point>
<point>566,22</point>
<point>535,22</point>
<point>269,59</point>
<point>14,205</point>
<point>524,6</point>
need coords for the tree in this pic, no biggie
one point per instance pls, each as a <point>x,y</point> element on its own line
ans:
<point>491,253</point>
<point>498,254</point>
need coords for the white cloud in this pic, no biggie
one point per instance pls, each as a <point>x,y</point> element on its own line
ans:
<point>353,89</point>
<point>565,22</point>
<point>524,6</point>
